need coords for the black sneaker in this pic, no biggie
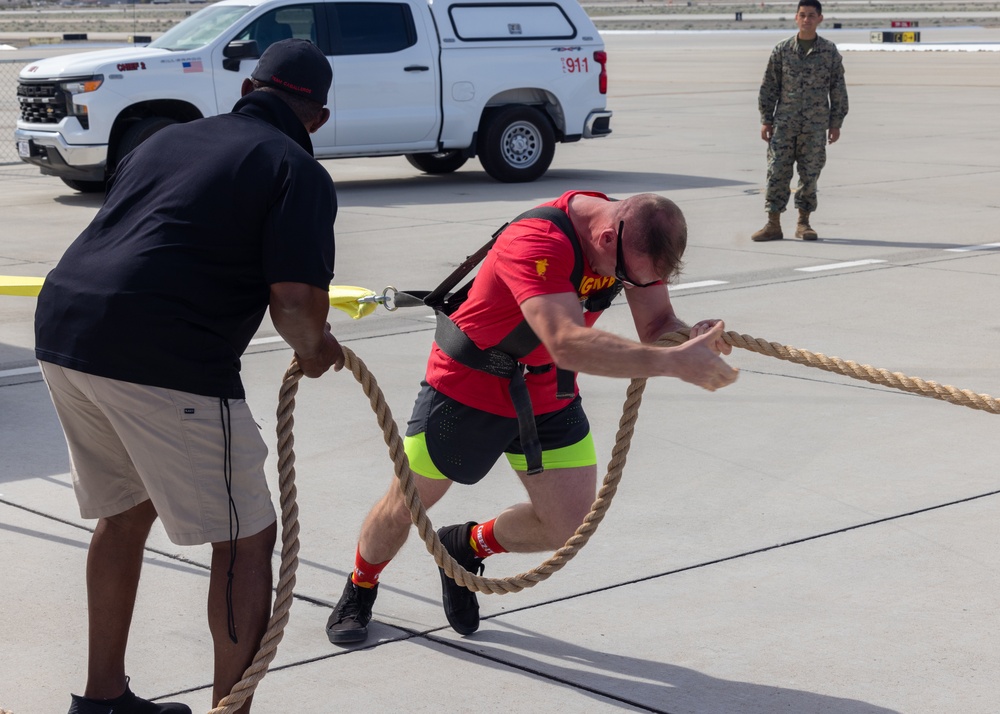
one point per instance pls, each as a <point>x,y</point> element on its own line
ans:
<point>349,621</point>
<point>127,703</point>
<point>460,604</point>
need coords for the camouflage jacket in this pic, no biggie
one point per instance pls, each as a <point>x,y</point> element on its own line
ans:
<point>804,91</point>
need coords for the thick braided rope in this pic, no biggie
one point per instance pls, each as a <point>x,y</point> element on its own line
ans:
<point>626,426</point>
<point>515,583</point>
<point>289,549</point>
<point>896,380</point>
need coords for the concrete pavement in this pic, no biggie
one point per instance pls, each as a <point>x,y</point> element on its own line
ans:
<point>799,542</point>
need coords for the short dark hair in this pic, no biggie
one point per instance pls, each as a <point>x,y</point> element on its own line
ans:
<point>810,3</point>
<point>660,231</point>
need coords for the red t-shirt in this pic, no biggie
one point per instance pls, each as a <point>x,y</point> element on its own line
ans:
<point>532,257</point>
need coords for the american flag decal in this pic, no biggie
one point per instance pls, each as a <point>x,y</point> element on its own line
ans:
<point>192,66</point>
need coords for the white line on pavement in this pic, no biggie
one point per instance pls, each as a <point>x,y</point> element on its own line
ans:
<point>837,266</point>
<point>699,284</point>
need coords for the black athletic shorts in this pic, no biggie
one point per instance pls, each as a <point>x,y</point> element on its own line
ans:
<point>446,439</point>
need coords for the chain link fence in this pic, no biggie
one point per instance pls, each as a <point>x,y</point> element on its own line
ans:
<point>9,69</point>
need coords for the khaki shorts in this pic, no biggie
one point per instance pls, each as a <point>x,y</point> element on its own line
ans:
<point>131,442</point>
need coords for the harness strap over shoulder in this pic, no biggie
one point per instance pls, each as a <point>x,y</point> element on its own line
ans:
<point>522,339</point>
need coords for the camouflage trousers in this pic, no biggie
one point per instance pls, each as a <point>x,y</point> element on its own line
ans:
<point>787,148</point>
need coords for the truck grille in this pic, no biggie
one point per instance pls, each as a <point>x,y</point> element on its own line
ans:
<point>41,103</point>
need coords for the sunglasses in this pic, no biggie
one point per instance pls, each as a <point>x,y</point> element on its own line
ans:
<point>620,271</point>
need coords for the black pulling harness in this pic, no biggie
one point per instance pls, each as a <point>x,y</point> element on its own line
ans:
<point>502,360</point>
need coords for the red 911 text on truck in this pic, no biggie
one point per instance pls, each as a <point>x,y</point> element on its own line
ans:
<point>436,82</point>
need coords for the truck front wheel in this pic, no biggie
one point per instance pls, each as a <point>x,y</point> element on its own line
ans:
<point>134,135</point>
<point>442,162</point>
<point>86,186</point>
<point>516,144</point>
<point>138,132</point>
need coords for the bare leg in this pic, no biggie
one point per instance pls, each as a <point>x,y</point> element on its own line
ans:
<point>251,607</point>
<point>388,523</point>
<point>114,562</point>
<point>559,501</point>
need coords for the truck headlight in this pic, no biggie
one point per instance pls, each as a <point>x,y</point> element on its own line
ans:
<point>72,88</point>
<point>82,86</point>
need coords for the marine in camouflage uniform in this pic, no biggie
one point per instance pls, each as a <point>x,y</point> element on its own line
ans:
<point>803,97</point>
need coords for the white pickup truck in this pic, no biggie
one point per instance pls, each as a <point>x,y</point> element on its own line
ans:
<point>438,82</point>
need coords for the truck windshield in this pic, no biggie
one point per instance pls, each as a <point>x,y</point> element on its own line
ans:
<point>201,28</point>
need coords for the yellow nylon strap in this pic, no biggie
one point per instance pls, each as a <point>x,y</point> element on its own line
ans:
<point>342,297</point>
<point>18,285</point>
<point>345,298</point>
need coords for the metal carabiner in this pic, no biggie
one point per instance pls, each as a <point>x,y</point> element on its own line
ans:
<point>387,299</point>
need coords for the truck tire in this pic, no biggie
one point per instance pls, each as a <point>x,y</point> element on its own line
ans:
<point>516,144</point>
<point>443,162</point>
<point>86,186</point>
<point>138,133</point>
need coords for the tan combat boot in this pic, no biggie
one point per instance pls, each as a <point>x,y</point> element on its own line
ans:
<point>772,231</point>
<point>803,230</point>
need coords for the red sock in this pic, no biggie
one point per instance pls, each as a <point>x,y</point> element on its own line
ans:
<point>366,574</point>
<point>483,541</point>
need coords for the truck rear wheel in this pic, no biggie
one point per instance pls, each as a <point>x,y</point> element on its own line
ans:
<point>442,162</point>
<point>516,144</point>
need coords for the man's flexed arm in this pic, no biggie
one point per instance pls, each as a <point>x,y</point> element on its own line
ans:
<point>558,323</point>
<point>654,316</point>
<point>652,312</point>
<point>299,313</point>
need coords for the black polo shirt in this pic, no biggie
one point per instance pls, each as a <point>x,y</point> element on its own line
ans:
<point>169,283</point>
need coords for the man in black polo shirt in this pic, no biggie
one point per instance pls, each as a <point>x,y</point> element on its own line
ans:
<point>139,332</point>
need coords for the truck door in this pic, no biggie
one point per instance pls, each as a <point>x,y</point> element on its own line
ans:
<point>298,21</point>
<point>385,77</point>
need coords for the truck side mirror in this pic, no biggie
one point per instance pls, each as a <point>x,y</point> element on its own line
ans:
<point>238,50</point>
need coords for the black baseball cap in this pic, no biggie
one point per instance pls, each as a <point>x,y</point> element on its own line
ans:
<point>295,66</point>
